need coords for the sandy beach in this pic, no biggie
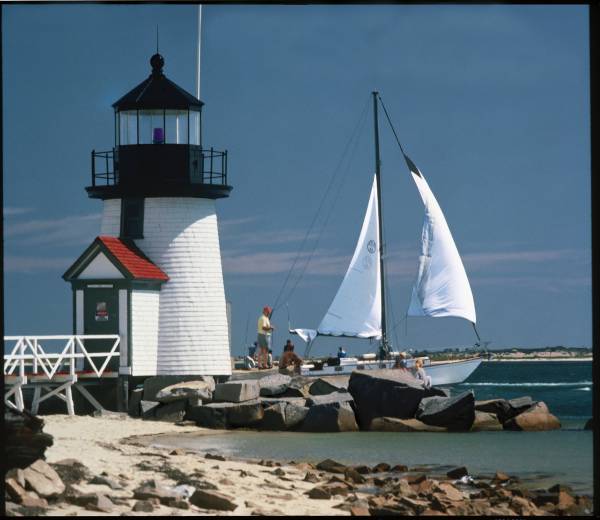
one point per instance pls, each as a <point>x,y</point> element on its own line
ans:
<point>113,446</point>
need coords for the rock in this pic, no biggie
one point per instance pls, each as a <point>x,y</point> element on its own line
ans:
<point>363,470</point>
<point>334,417</point>
<point>163,494</point>
<point>331,466</point>
<point>359,511</point>
<point>382,467</point>
<point>100,503</point>
<point>311,477</point>
<point>270,401</point>
<point>455,413</point>
<point>322,387</point>
<point>319,493</point>
<point>283,416</point>
<point>485,421</point>
<point>589,424</point>
<point>354,476</point>
<point>171,412</point>
<point>274,384</point>
<point>504,409</point>
<point>153,385</point>
<point>501,477</point>
<point>332,397</point>
<point>30,501</point>
<point>16,474</point>
<point>400,468</point>
<point>236,391</point>
<point>457,473</point>
<point>15,490</point>
<point>386,393</point>
<point>196,390</point>
<point>143,506</point>
<point>536,418</point>
<point>213,500</point>
<point>299,386</point>
<point>178,451</point>
<point>180,504</point>
<point>105,482</point>
<point>450,491</point>
<point>336,488</point>
<point>23,439</point>
<point>415,479</point>
<point>393,424</point>
<point>42,479</point>
<point>227,415</point>
<point>148,408</point>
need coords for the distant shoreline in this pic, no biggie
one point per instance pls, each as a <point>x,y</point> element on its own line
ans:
<point>520,360</point>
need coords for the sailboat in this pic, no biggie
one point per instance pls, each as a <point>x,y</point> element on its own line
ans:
<point>441,288</point>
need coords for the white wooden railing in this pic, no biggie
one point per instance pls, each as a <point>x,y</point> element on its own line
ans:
<point>29,351</point>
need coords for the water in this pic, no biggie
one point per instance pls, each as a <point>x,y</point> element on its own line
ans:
<point>539,458</point>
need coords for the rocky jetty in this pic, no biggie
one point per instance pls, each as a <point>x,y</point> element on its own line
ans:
<point>24,440</point>
<point>381,400</point>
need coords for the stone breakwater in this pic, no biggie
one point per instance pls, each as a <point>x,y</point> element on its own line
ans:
<point>377,400</point>
<point>125,476</point>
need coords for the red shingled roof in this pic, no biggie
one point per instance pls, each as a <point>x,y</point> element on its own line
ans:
<point>132,259</point>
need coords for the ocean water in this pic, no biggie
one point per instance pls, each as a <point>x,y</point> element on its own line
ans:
<point>540,459</point>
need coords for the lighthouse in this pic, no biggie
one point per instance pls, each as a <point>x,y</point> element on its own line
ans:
<point>153,275</point>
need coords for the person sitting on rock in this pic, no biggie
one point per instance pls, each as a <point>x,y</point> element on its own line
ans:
<point>289,358</point>
<point>421,375</point>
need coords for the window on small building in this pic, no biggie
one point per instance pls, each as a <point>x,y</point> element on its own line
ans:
<point>132,218</point>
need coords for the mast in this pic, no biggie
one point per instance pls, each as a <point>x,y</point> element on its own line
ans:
<point>384,340</point>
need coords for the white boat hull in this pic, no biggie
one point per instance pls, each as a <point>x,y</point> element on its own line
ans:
<point>441,373</point>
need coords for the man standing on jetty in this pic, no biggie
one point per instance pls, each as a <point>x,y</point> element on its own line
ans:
<point>264,337</point>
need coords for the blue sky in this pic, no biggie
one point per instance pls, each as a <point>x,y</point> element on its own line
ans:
<point>491,102</point>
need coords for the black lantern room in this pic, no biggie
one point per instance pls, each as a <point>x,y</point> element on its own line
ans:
<point>158,146</point>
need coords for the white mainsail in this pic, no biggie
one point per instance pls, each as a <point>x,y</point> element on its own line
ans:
<point>442,287</point>
<point>356,308</point>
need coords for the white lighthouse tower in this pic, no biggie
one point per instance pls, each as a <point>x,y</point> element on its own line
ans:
<point>158,186</point>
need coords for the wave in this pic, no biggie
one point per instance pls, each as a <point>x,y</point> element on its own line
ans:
<point>585,389</point>
<point>578,383</point>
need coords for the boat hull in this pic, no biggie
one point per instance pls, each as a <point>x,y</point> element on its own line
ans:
<point>441,373</point>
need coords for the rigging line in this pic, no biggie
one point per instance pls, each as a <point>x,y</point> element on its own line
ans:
<point>325,194</point>
<point>330,211</point>
<point>391,125</point>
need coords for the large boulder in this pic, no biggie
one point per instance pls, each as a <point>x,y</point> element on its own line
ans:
<point>393,424</point>
<point>148,409</point>
<point>333,417</point>
<point>43,479</point>
<point>485,422</point>
<point>24,440</point>
<point>335,397</point>
<point>455,413</point>
<point>171,412</point>
<point>237,391</point>
<point>505,409</point>
<point>387,393</point>
<point>270,401</point>
<point>274,384</point>
<point>153,385</point>
<point>188,390</point>
<point>283,416</point>
<point>323,386</point>
<point>536,418</point>
<point>227,415</point>
<point>299,386</point>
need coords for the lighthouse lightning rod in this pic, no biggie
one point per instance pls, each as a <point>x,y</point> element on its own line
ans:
<point>198,51</point>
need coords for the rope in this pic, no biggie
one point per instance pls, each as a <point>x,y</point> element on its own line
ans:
<point>276,305</point>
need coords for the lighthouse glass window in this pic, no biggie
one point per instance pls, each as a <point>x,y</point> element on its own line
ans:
<point>128,127</point>
<point>176,126</point>
<point>152,126</point>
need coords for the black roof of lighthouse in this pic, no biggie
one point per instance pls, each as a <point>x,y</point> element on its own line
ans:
<point>157,91</point>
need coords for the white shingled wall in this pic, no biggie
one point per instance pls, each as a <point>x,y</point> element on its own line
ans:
<point>111,218</point>
<point>181,237</point>
<point>144,332</point>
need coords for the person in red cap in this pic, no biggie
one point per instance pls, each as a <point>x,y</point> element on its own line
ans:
<point>264,337</point>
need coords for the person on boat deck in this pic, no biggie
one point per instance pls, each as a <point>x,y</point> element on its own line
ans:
<point>289,358</point>
<point>264,337</point>
<point>401,361</point>
<point>421,375</point>
<point>270,359</point>
<point>341,353</point>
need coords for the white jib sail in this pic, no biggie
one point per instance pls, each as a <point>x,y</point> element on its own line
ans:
<point>442,287</point>
<point>356,308</point>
